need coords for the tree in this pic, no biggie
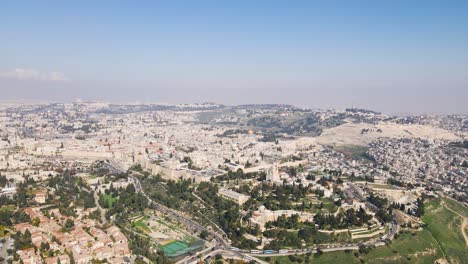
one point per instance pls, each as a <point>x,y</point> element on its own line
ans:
<point>203,234</point>
<point>363,249</point>
<point>310,177</point>
<point>69,223</point>
<point>45,246</point>
<point>22,241</point>
<point>307,233</point>
<point>35,221</point>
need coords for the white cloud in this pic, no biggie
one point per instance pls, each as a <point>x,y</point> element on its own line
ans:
<point>34,75</point>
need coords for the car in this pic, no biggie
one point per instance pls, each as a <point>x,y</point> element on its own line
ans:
<point>234,249</point>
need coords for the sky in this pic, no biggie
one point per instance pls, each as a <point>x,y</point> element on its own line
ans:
<point>391,56</point>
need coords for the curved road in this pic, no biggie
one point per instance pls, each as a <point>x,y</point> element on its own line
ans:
<point>224,246</point>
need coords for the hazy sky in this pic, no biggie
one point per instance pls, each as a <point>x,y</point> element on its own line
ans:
<point>391,56</point>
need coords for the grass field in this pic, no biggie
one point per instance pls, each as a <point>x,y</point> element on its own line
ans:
<point>111,200</point>
<point>419,248</point>
<point>457,207</point>
<point>7,208</point>
<point>139,224</point>
<point>416,247</point>
<point>3,231</point>
<point>189,239</point>
<point>445,226</point>
<point>327,258</point>
<point>323,238</point>
<point>440,238</point>
<point>328,204</point>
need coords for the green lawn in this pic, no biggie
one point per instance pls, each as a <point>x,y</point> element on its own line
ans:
<point>3,231</point>
<point>189,240</point>
<point>326,258</point>
<point>6,208</point>
<point>111,200</point>
<point>408,248</point>
<point>328,204</point>
<point>141,225</point>
<point>456,206</point>
<point>324,238</point>
<point>415,247</point>
<point>445,226</point>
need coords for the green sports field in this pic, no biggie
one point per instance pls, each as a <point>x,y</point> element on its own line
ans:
<point>174,247</point>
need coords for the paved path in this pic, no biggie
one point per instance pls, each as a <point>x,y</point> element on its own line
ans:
<point>463,228</point>
<point>8,244</point>
<point>101,210</point>
<point>207,205</point>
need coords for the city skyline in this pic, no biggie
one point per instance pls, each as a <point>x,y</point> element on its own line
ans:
<point>233,132</point>
<point>394,57</point>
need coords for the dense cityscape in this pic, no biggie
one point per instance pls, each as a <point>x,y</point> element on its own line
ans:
<point>234,132</point>
<point>91,182</point>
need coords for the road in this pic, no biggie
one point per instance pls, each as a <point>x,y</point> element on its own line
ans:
<point>225,253</point>
<point>102,211</point>
<point>394,228</point>
<point>220,242</point>
<point>244,254</point>
<point>192,225</point>
<point>4,246</point>
<point>177,215</point>
<point>224,246</point>
<point>214,224</point>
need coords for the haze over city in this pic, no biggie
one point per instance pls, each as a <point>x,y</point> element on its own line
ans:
<point>234,132</point>
<point>389,56</point>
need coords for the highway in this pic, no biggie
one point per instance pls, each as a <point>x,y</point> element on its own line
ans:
<point>175,214</point>
<point>225,253</point>
<point>243,254</point>
<point>224,246</point>
<point>220,242</point>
